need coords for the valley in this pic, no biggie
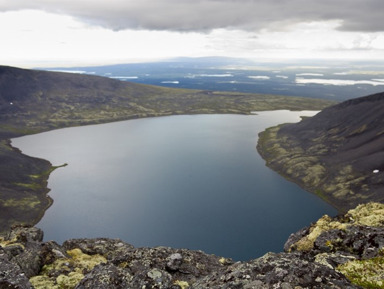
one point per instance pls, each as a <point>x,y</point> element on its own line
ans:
<point>33,101</point>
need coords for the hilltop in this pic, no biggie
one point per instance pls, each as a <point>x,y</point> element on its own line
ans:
<point>33,101</point>
<point>337,154</point>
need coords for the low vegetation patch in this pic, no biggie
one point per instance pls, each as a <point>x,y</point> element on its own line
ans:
<point>365,273</point>
<point>66,273</point>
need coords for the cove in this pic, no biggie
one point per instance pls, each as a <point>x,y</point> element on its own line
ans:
<point>189,181</point>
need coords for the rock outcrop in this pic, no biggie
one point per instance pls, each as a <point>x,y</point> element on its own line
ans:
<point>338,154</point>
<point>342,252</point>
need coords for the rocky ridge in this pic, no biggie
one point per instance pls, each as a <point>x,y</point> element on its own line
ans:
<point>338,154</point>
<point>341,252</point>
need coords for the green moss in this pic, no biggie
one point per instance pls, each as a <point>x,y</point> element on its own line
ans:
<point>29,202</point>
<point>365,273</point>
<point>371,214</point>
<point>359,130</point>
<point>324,224</point>
<point>43,282</point>
<point>17,130</point>
<point>37,182</point>
<point>181,284</point>
<point>66,273</point>
<point>225,261</point>
<point>69,281</point>
<point>14,242</point>
<point>321,194</point>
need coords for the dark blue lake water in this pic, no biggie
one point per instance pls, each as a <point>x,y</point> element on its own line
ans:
<point>193,182</point>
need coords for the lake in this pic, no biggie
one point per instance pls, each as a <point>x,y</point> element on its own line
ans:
<point>190,181</point>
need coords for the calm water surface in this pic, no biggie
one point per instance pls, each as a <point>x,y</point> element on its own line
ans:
<point>192,182</point>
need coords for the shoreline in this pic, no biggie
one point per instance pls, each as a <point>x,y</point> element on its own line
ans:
<point>39,185</point>
<point>44,101</point>
<point>271,156</point>
<point>283,154</point>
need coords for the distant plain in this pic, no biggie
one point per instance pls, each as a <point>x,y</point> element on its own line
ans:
<point>335,80</point>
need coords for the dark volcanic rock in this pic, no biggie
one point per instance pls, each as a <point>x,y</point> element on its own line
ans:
<point>316,257</point>
<point>109,248</point>
<point>276,271</point>
<point>295,237</point>
<point>361,241</point>
<point>106,276</point>
<point>184,265</point>
<point>24,249</point>
<point>11,277</point>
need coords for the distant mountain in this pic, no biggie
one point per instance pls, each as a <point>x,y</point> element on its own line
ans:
<point>209,60</point>
<point>338,154</point>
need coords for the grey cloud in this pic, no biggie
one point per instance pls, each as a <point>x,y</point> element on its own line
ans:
<point>204,15</point>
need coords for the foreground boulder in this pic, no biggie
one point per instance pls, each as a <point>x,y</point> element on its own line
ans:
<point>342,252</point>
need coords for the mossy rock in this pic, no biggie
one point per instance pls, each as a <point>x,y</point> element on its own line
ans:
<point>66,273</point>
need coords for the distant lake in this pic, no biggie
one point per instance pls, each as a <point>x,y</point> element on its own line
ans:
<point>191,181</point>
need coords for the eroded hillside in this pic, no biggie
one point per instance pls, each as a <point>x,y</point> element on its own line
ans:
<point>337,154</point>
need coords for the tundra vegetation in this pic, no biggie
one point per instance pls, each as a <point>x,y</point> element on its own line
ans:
<point>337,154</point>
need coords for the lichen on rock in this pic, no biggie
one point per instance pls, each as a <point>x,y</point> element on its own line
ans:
<point>366,273</point>
<point>66,272</point>
<point>352,244</point>
<point>324,224</point>
<point>371,214</point>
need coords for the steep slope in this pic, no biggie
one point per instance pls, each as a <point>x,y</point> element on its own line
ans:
<point>34,101</point>
<point>338,154</point>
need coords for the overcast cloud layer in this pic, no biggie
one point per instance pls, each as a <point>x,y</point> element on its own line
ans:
<point>205,15</point>
<point>65,32</point>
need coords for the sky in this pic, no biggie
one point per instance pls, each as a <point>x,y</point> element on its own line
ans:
<point>49,33</point>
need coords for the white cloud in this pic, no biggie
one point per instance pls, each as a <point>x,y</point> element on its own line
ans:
<point>37,38</point>
<point>63,37</point>
<point>199,15</point>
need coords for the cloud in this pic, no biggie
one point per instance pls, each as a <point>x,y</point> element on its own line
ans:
<point>206,15</point>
